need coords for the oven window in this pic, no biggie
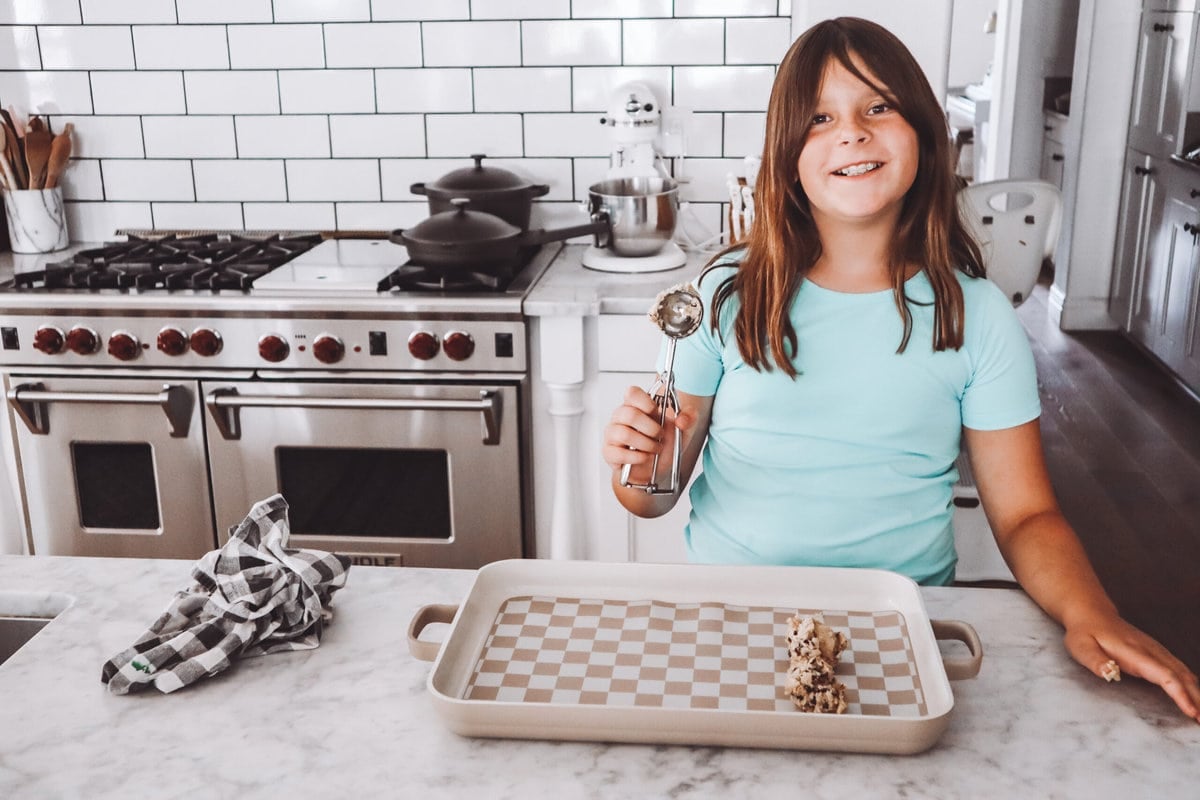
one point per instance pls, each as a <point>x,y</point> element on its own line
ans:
<point>116,486</point>
<point>366,492</point>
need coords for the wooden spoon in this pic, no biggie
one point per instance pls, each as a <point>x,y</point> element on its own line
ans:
<point>37,152</point>
<point>60,154</point>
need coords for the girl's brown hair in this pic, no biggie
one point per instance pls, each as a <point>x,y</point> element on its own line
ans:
<point>783,243</point>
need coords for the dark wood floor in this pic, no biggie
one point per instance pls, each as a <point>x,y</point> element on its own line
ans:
<point>1123,447</point>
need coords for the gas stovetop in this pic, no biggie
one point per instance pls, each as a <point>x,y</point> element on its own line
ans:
<point>288,302</point>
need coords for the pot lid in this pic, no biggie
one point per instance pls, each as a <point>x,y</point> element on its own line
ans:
<point>460,226</point>
<point>479,178</point>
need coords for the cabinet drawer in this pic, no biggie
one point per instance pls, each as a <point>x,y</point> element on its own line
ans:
<point>627,343</point>
<point>1055,126</point>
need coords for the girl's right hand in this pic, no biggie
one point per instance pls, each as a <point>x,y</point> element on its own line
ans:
<point>633,434</point>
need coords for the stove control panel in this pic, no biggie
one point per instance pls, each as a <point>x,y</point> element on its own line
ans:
<point>247,342</point>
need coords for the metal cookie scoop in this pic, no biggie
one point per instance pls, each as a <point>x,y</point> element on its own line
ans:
<point>677,312</point>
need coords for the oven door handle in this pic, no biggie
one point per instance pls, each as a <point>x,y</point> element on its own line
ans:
<point>223,404</point>
<point>32,401</point>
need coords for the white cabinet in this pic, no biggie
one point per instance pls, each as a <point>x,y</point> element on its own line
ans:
<point>1053,151</point>
<point>1140,222</point>
<point>1161,82</point>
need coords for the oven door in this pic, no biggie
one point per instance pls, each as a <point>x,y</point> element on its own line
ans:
<point>391,474</point>
<point>112,466</point>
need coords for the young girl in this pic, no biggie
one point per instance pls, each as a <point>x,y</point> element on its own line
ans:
<point>848,346</point>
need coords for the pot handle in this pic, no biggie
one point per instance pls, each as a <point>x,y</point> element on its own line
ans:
<point>960,668</point>
<point>417,188</point>
<point>539,189</point>
<point>435,612</point>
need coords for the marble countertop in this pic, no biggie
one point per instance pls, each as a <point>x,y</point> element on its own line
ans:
<point>353,717</point>
<point>569,289</point>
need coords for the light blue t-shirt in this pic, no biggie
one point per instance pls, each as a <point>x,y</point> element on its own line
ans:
<point>852,462</point>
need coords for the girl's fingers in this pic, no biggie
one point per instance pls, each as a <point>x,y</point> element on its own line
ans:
<point>1141,656</point>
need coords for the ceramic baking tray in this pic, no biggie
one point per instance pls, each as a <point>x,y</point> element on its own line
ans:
<point>687,654</point>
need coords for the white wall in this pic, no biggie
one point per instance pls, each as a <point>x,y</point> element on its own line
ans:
<point>971,49</point>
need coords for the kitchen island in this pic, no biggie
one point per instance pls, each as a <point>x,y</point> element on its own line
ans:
<point>354,718</point>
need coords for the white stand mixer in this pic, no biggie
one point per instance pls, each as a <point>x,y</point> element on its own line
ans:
<point>635,118</point>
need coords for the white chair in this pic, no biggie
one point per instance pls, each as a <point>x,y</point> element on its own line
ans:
<point>1016,224</point>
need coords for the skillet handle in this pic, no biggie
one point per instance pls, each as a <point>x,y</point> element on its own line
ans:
<point>435,612</point>
<point>958,669</point>
<point>417,188</point>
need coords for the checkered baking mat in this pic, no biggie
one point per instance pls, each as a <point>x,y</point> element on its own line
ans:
<point>683,655</point>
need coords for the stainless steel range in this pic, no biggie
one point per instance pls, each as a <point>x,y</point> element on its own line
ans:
<point>158,387</point>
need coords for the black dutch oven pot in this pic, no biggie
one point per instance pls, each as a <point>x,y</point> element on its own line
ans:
<point>464,240</point>
<point>490,189</point>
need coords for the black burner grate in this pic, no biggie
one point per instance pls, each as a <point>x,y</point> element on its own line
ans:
<point>210,262</point>
<point>494,277</point>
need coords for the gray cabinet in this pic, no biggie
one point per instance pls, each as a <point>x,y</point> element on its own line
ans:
<point>1161,82</point>
<point>1053,150</point>
<point>1143,190</point>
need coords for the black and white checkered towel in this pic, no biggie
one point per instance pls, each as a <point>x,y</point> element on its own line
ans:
<point>252,597</point>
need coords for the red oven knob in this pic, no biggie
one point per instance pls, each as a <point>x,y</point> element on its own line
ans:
<point>49,340</point>
<point>124,346</point>
<point>83,341</point>
<point>206,342</point>
<point>273,347</point>
<point>328,348</point>
<point>172,341</point>
<point>458,345</point>
<point>423,345</point>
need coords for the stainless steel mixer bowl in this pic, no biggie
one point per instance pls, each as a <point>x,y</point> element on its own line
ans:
<point>641,211</point>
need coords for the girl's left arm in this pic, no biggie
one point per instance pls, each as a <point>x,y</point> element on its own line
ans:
<point>1048,560</point>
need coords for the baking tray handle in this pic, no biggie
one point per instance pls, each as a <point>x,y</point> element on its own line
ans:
<point>427,651</point>
<point>958,669</point>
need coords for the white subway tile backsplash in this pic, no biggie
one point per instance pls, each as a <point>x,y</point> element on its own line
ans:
<point>757,41</point>
<point>198,216</point>
<point>673,41</point>
<point>472,44</point>
<point>316,114</point>
<point>276,46</point>
<point>379,216</point>
<point>97,222</point>
<point>19,48</point>
<point>744,134</point>
<point>180,47</point>
<point>86,47</point>
<point>463,134</point>
<point>39,12</point>
<point>331,91</point>
<point>242,179</point>
<point>138,92</point>
<point>373,44</point>
<point>725,8</point>
<point>522,89</point>
<point>81,180</point>
<point>236,92</point>
<point>377,135</point>
<point>566,135</point>
<point>322,10</point>
<point>286,136</point>
<point>103,137</point>
<point>593,86</point>
<point>289,216</point>
<point>333,179</point>
<point>128,12</point>
<point>521,9</point>
<point>571,42</point>
<point>147,179</point>
<point>420,9</point>
<point>424,90</point>
<point>620,9</point>
<point>189,137</point>
<point>224,10</point>
<point>723,88</point>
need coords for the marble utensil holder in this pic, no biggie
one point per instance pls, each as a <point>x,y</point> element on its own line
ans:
<point>37,220</point>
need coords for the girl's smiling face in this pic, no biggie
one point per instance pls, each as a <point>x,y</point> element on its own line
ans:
<point>860,156</point>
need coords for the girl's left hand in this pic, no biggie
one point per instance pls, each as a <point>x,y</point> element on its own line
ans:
<point>1093,643</point>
